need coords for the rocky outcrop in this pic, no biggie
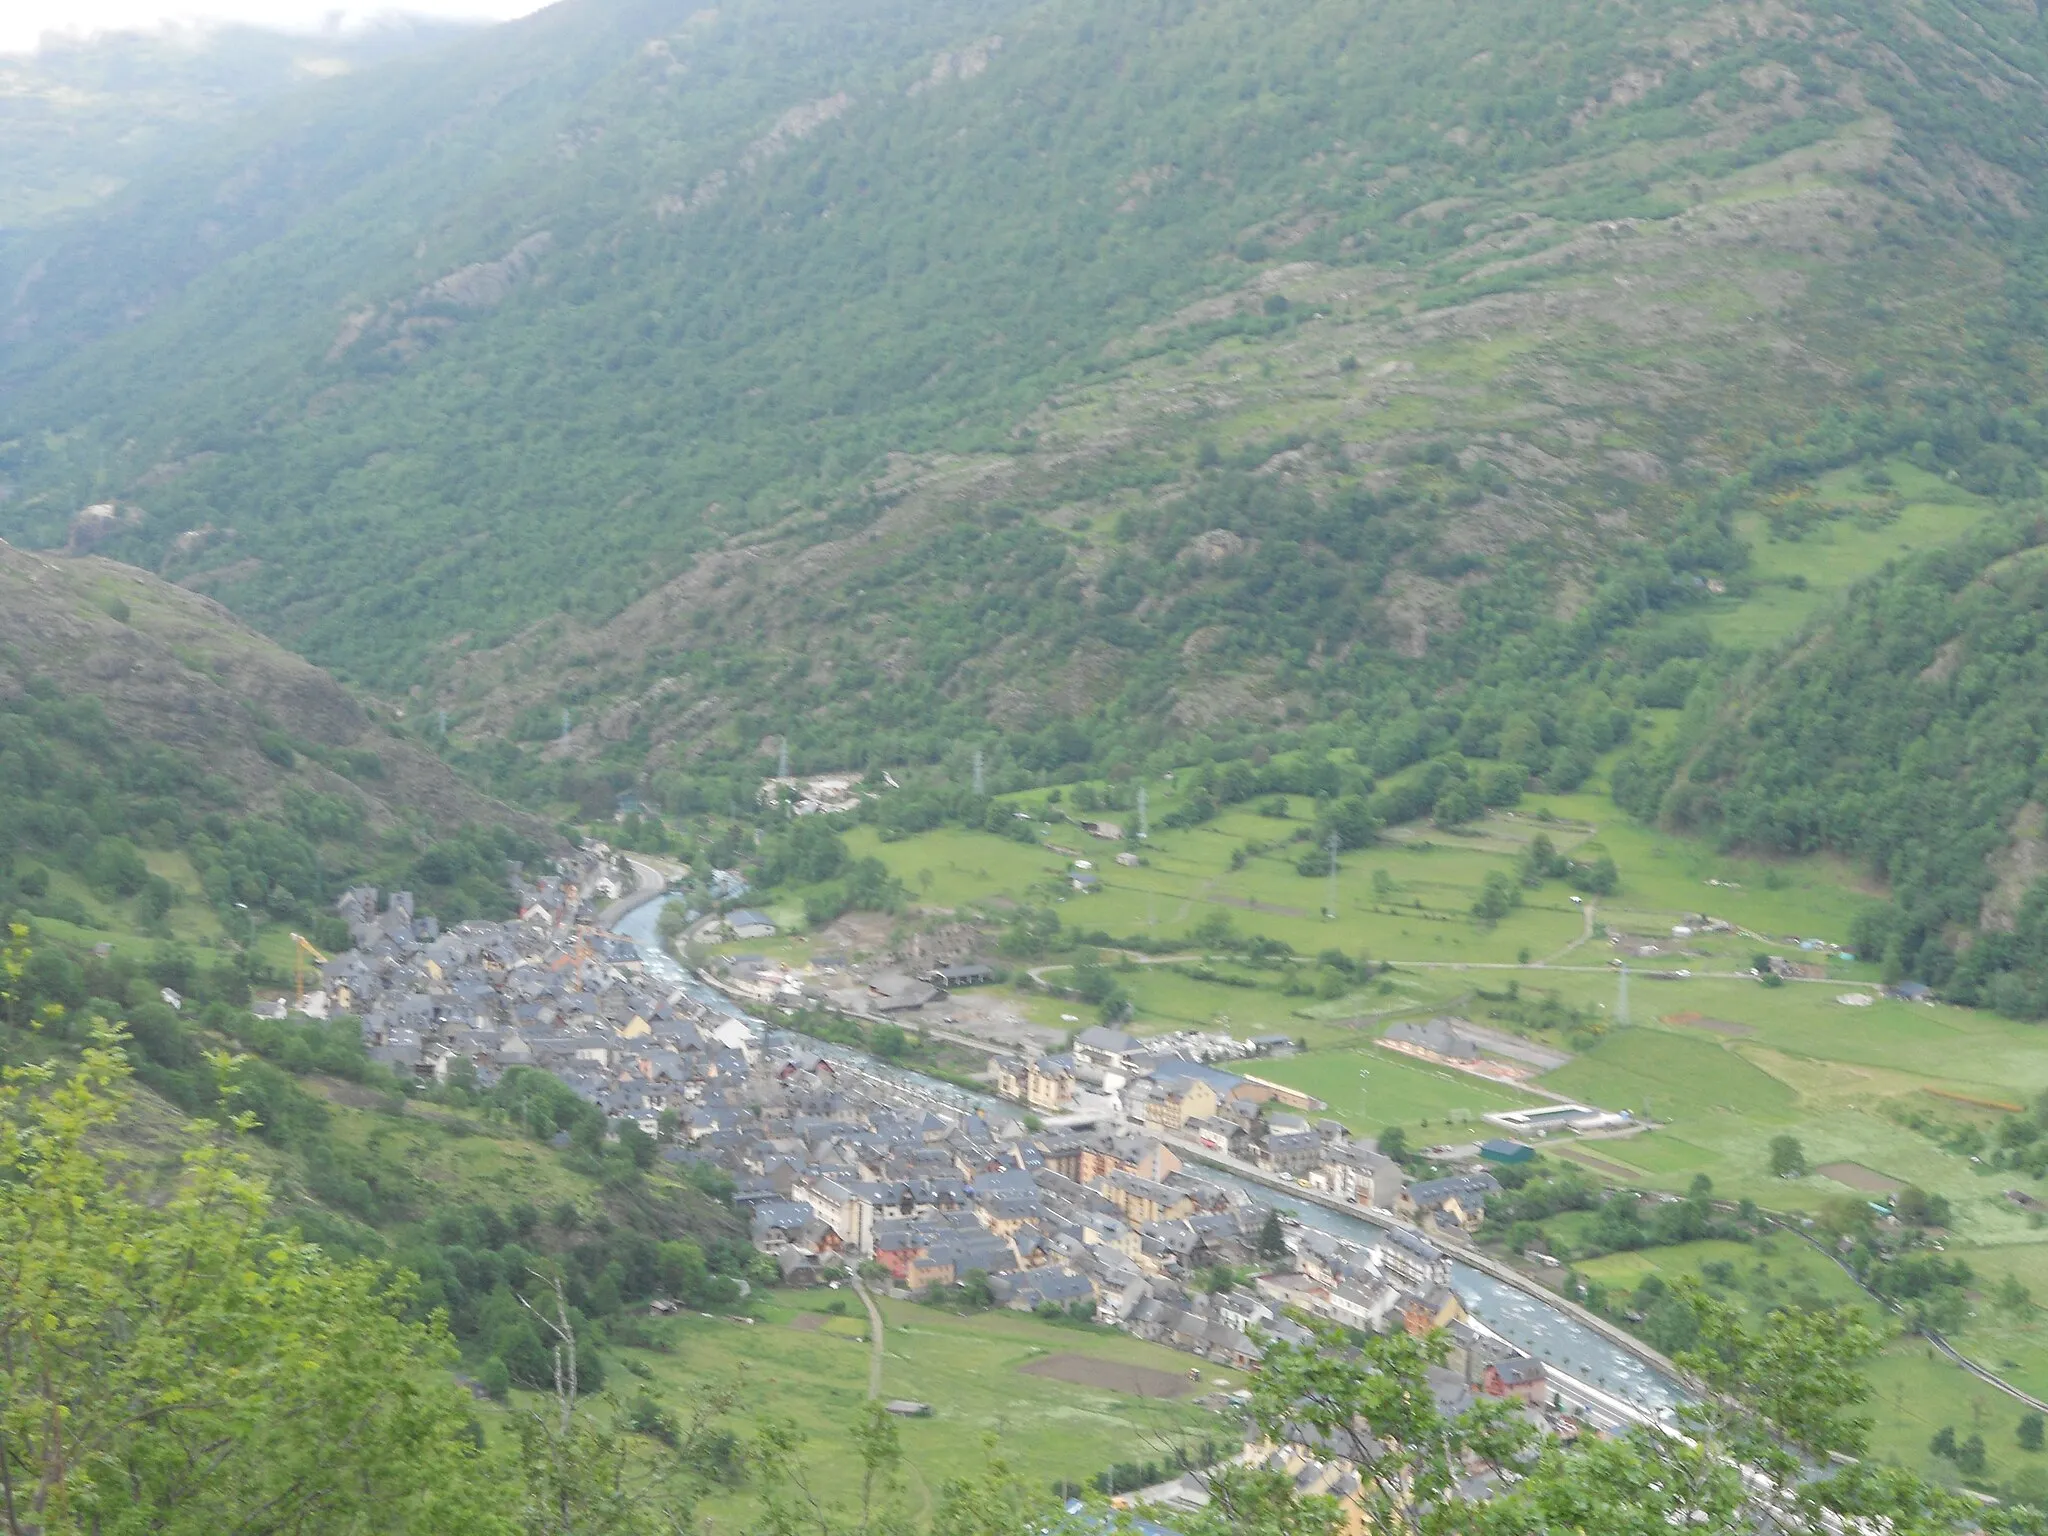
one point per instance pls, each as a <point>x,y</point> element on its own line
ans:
<point>405,323</point>
<point>96,524</point>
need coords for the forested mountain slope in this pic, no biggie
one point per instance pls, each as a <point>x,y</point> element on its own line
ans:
<point>1905,732</point>
<point>1075,379</point>
<point>153,751</point>
<point>538,323</point>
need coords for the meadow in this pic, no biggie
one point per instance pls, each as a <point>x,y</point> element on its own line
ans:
<point>1866,528</point>
<point>802,1363</point>
<point>1715,1062</point>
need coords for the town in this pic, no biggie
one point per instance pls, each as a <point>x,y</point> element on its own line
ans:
<point>844,1165</point>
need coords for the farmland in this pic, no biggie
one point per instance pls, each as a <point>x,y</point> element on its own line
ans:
<point>1714,1064</point>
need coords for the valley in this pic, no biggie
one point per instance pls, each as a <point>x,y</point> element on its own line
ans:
<point>1442,609</point>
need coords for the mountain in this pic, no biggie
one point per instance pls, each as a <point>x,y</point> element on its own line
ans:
<point>84,118</point>
<point>648,386</point>
<point>1905,732</point>
<point>164,770</point>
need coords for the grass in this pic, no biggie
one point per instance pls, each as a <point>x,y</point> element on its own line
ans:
<point>192,919</point>
<point>965,1366</point>
<point>964,868</point>
<point>491,1165</point>
<point>1769,1272</point>
<point>1834,555</point>
<point>1915,1392</point>
<point>1662,1075</point>
<point>1370,1088</point>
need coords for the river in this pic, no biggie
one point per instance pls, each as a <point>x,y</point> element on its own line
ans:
<point>1521,1317</point>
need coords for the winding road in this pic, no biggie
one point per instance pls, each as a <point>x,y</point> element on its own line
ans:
<point>650,880</point>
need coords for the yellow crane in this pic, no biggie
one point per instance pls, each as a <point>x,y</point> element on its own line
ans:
<point>301,948</point>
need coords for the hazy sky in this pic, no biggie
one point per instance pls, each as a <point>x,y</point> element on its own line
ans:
<point>22,22</point>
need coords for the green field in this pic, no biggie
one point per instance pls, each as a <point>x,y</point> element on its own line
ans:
<point>1842,551</point>
<point>965,1366</point>
<point>1719,1063</point>
<point>1665,1076</point>
<point>1769,1271</point>
<point>1371,1088</point>
<point>1915,1392</point>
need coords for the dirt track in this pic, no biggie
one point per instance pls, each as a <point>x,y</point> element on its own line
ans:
<point>1109,1375</point>
<point>1856,1176</point>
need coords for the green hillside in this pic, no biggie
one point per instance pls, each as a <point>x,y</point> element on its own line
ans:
<point>454,359</point>
<point>168,774</point>
<point>1904,733</point>
<point>639,391</point>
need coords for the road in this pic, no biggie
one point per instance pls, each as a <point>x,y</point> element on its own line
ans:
<point>650,883</point>
<point>1464,1252</point>
<point>860,1289</point>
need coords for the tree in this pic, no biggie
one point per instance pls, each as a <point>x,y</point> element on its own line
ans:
<point>1272,1240</point>
<point>1457,804</point>
<point>1369,1402</point>
<point>1784,1390</point>
<point>1780,1399</point>
<point>639,1148</point>
<point>2014,1299</point>
<point>1497,897</point>
<point>1600,878</point>
<point>1970,1456</point>
<point>2029,1435</point>
<point>1393,1142</point>
<point>170,1362</point>
<point>1788,1158</point>
<point>1916,1208</point>
<point>578,1475</point>
<point>495,1379</point>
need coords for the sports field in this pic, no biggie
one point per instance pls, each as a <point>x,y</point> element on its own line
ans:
<point>1368,1088</point>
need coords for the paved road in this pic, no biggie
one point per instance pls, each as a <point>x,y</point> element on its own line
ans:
<point>651,882</point>
<point>1457,1248</point>
<point>874,1335</point>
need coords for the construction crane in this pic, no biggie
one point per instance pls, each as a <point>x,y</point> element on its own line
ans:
<point>301,948</point>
